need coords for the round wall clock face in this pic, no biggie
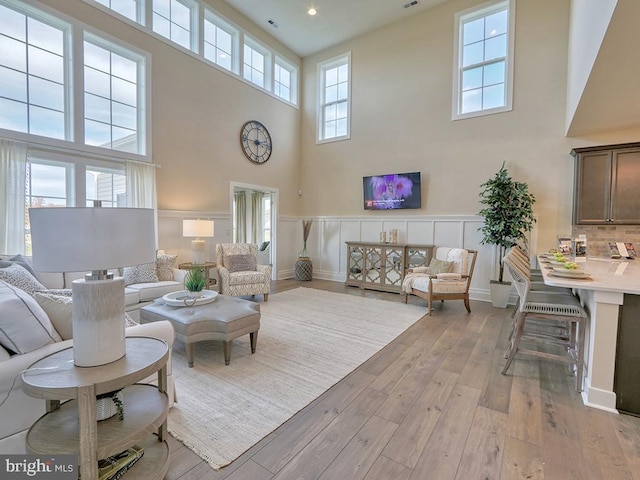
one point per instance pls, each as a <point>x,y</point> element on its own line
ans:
<point>255,141</point>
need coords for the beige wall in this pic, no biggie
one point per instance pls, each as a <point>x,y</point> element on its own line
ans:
<point>589,22</point>
<point>197,114</point>
<point>401,121</point>
<point>402,88</point>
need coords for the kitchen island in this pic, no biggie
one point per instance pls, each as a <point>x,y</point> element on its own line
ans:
<point>603,297</point>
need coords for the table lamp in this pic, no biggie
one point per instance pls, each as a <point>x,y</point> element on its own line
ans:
<point>94,239</point>
<point>197,228</point>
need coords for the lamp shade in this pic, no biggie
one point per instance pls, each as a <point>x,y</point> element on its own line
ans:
<point>81,239</point>
<point>197,228</point>
<point>96,239</point>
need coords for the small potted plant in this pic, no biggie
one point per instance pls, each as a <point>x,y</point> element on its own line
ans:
<point>195,282</point>
<point>508,217</point>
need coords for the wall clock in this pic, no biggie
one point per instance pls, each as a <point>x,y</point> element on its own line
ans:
<point>255,141</point>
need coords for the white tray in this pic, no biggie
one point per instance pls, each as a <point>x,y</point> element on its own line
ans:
<point>181,298</point>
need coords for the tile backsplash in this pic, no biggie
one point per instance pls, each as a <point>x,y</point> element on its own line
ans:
<point>599,236</point>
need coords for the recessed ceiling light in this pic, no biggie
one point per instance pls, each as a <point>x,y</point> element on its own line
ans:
<point>312,11</point>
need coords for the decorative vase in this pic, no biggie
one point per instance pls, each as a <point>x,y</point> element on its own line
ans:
<point>195,295</point>
<point>303,253</point>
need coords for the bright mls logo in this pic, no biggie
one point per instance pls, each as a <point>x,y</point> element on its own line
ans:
<point>19,467</point>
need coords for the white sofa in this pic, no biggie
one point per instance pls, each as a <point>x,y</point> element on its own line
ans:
<point>136,295</point>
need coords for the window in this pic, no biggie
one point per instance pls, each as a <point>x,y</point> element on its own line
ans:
<point>108,187</point>
<point>285,80</point>
<point>255,61</point>
<point>48,184</point>
<point>334,105</point>
<point>176,20</point>
<point>220,42</point>
<point>112,96</point>
<point>131,9</point>
<point>484,66</point>
<point>33,73</point>
<point>196,26</point>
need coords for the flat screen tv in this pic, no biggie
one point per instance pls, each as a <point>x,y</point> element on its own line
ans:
<point>392,192</point>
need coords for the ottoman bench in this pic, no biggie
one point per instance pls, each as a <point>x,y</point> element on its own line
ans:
<point>224,319</point>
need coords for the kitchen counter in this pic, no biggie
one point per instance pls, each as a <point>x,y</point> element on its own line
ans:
<point>603,298</point>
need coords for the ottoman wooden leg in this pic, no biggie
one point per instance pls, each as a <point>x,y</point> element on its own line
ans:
<point>190,349</point>
<point>254,340</point>
<point>226,347</point>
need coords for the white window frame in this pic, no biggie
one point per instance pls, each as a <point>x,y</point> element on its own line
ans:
<point>194,16</point>
<point>470,15</point>
<point>212,17</point>
<point>293,79</point>
<point>266,53</point>
<point>140,60</point>
<point>321,103</point>
<point>140,10</point>
<point>203,10</point>
<point>67,28</point>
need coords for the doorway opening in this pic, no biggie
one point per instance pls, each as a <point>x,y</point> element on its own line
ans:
<point>254,215</point>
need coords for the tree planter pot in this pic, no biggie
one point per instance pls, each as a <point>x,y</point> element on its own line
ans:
<point>500,292</point>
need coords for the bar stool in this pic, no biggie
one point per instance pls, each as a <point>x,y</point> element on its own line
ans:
<point>560,309</point>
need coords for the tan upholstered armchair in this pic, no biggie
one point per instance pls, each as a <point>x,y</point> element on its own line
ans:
<point>239,272</point>
<point>432,283</point>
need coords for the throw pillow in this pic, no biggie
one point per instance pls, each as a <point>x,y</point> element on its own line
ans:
<point>144,273</point>
<point>20,260</point>
<point>18,276</point>
<point>440,266</point>
<point>240,263</point>
<point>59,309</point>
<point>164,265</point>
<point>24,326</point>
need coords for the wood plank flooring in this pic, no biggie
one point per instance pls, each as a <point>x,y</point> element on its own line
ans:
<point>433,405</point>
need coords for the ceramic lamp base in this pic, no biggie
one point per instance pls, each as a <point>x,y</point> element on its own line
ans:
<point>98,321</point>
<point>197,251</point>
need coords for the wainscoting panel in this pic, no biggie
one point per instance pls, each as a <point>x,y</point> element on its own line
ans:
<point>417,231</point>
<point>326,244</point>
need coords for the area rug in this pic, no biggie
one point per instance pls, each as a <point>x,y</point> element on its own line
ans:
<point>308,341</point>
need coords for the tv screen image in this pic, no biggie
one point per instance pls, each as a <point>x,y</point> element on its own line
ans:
<point>392,192</point>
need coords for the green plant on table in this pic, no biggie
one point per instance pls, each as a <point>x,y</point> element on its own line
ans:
<point>195,280</point>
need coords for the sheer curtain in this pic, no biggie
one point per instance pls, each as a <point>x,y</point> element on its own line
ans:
<point>257,217</point>
<point>241,217</point>
<point>13,173</point>
<point>141,188</point>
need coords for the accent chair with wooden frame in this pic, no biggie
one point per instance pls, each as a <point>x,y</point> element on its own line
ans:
<point>453,285</point>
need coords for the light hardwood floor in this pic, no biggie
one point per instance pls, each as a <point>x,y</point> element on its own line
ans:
<point>433,405</point>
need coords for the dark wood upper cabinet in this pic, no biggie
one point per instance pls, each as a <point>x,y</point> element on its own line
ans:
<point>607,185</point>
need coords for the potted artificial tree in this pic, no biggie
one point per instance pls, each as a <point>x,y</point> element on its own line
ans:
<point>508,217</point>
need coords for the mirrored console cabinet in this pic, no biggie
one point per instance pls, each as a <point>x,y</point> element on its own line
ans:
<point>382,266</point>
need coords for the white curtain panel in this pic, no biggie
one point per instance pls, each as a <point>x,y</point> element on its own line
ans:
<point>13,172</point>
<point>141,188</point>
<point>257,217</point>
<point>241,217</point>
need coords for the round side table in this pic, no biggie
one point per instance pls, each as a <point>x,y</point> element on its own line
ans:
<point>304,269</point>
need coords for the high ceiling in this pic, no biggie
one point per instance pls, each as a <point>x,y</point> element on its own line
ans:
<point>335,21</point>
